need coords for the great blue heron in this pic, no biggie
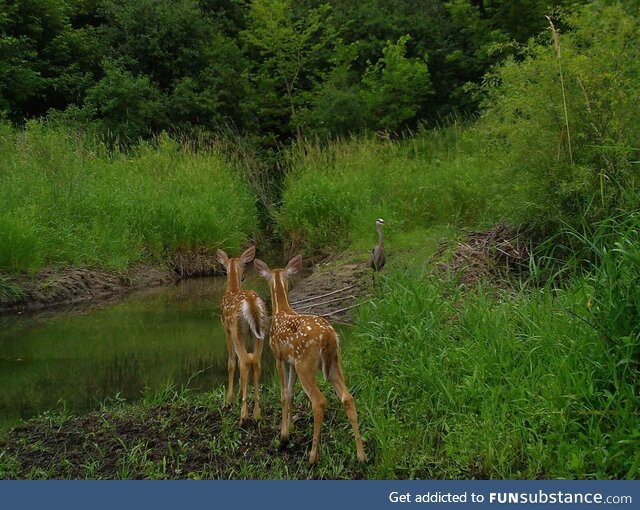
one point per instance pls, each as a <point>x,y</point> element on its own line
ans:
<point>377,258</point>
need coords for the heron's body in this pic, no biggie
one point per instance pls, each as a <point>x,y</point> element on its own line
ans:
<point>377,258</point>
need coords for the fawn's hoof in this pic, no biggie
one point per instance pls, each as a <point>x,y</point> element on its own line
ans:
<point>284,442</point>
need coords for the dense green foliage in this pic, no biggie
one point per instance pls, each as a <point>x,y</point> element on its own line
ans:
<point>557,143</point>
<point>269,68</point>
<point>537,382</point>
<point>333,194</point>
<point>68,201</point>
<point>564,120</point>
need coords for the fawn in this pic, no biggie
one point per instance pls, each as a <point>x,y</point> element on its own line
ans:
<point>306,342</point>
<point>244,318</point>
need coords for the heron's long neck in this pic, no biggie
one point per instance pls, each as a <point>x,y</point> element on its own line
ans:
<point>380,234</point>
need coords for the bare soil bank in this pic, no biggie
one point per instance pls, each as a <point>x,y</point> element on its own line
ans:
<point>52,288</point>
<point>331,290</point>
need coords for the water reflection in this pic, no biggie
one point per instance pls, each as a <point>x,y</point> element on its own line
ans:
<point>81,358</point>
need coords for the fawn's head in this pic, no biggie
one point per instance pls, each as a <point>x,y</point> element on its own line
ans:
<point>279,279</point>
<point>235,266</point>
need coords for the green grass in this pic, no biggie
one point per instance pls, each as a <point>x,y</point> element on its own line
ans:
<point>66,201</point>
<point>488,384</point>
<point>333,194</point>
<point>10,290</point>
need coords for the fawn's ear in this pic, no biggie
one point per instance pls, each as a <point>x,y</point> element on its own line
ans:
<point>248,254</point>
<point>262,268</point>
<point>223,258</point>
<point>294,265</point>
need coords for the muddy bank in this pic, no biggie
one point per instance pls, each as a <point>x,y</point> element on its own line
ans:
<point>328,289</point>
<point>53,288</point>
<point>195,437</point>
<point>332,290</point>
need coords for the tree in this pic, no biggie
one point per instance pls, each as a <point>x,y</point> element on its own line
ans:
<point>185,53</point>
<point>124,106</point>
<point>45,59</point>
<point>291,57</point>
<point>338,108</point>
<point>395,87</point>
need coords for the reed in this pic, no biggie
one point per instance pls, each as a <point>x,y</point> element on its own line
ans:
<point>67,200</point>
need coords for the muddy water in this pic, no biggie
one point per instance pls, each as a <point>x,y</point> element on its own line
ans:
<point>78,359</point>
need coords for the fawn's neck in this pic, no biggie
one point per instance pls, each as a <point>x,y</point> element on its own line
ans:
<point>233,277</point>
<point>279,296</point>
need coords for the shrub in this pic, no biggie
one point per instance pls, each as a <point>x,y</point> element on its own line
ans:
<point>563,121</point>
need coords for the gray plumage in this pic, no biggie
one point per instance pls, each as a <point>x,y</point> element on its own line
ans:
<point>377,258</point>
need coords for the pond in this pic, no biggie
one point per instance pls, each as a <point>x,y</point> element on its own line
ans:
<point>78,359</point>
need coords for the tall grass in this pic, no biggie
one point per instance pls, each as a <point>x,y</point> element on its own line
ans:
<point>454,384</point>
<point>604,259</point>
<point>67,201</point>
<point>333,193</point>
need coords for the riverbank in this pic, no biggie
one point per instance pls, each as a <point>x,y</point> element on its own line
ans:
<point>340,279</point>
<point>53,288</point>
<point>455,375</point>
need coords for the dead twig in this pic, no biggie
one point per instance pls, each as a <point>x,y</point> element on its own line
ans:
<point>314,305</point>
<point>343,309</point>
<point>319,296</point>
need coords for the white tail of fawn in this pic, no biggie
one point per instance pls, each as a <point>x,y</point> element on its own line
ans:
<point>306,342</point>
<point>244,318</point>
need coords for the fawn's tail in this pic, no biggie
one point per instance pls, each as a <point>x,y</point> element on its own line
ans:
<point>254,312</point>
<point>330,356</point>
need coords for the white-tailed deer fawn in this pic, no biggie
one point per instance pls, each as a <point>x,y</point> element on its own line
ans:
<point>307,343</point>
<point>244,318</point>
